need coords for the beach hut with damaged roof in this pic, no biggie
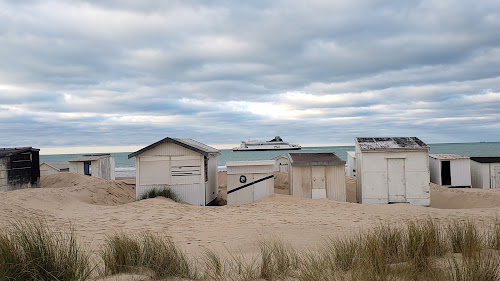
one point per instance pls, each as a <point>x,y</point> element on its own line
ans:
<point>100,165</point>
<point>485,172</point>
<point>187,167</point>
<point>450,170</point>
<point>392,170</point>
<point>317,175</point>
<point>49,168</point>
<point>19,168</point>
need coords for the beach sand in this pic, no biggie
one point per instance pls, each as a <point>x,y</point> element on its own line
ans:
<point>98,207</point>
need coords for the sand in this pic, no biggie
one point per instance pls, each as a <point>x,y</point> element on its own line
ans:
<point>98,207</point>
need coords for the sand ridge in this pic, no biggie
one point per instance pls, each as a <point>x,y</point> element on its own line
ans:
<point>97,207</point>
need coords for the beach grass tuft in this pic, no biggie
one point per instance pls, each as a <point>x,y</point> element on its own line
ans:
<point>30,250</point>
<point>164,191</point>
<point>146,252</point>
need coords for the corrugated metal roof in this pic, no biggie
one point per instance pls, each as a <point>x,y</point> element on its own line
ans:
<point>391,143</point>
<point>447,156</point>
<point>90,157</point>
<point>486,159</point>
<point>10,151</point>
<point>314,159</point>
<point>57,165</point>
<point>187,143</point>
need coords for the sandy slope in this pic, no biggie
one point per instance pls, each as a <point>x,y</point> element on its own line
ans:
<point>99,207</point>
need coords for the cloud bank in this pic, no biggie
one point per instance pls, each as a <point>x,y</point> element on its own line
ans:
<point>85,73</point>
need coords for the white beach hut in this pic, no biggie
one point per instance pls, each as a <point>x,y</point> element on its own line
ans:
<point>450,169</point>
<point>351,163</point>
<point>317,175</point>
<point>485,172</point>
<point>392,170</point>
<point>188,167</point>
<point>248,181</point>
<point>95,165</point>
<point>281,163</point>
<point>48,168</point>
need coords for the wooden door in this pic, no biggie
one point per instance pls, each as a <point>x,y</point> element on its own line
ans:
<point>396,180</point>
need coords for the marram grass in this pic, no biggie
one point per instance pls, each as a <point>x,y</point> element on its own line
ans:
<point>164,191</point>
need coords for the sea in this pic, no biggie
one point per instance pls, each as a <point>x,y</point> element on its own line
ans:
<point>125,167</point>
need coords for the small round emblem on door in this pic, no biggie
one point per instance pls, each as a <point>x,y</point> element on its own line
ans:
<point>243,179</point>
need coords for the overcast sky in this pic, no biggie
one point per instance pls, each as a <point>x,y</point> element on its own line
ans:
<point>122,73</point>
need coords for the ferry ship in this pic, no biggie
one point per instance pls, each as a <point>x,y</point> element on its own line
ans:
<point>275,144</point>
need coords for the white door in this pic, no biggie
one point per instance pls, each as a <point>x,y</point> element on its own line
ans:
<point>497,177</point>
<point>396,180</point>
<point>259,188</point>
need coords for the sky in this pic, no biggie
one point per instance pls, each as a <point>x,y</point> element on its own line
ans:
<point>125,74</point>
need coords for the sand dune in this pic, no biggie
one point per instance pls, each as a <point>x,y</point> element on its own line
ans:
<point>99,207</point>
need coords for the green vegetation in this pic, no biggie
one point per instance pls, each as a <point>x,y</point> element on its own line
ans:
<point>30,250</point>
<point>415,250</point>
<point>164,191</point>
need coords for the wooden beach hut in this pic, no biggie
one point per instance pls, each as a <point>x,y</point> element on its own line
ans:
<point>351,163</point>
<point>281,163</point>
<point>49,168</point>
<point>485,172</point>
<point>188,167</point>
<point>450,169</point>
<point>19,168</point>
<point>317,175</point>
<point>248,181</point>
<point>392,170</point>
<point>95,165</point>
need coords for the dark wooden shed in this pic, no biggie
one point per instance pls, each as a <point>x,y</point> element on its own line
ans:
<point>19,168</point>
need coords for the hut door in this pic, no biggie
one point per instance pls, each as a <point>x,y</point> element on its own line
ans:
<point>396,180</point>
<point>86,168</point>
<point>445,173</point>
<point>497,177</point>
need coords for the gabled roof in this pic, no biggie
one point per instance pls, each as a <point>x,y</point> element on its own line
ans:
<point>410,143</point>
<point>193,145</point>
<point>90,157</point>
<point>4,152</point>
<point>57,165</point>
<point>314,159</point>
<point>280,156</point>
<point>486,159</point>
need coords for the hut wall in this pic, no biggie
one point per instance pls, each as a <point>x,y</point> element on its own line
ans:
<point>351,163</point>
<point>460,172</point>
<point>250,171</point>
<point>20,171</point>
<point>480,175</point>
<point>179,168</point>
<point>390,176</point>
<point>47,170</point>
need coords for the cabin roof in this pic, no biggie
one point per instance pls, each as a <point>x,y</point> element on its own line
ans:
<point>193,145</point>
<point>486,159</point>
<point>4,152</point>
<point>90,157</point>
<point>410,143</point>
<point>57,165</point>
<point>447,156</point>
<point>280,156</point>
<point>314,159</point>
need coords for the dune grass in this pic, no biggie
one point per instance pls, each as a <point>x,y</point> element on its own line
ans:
<point>30,250</point>
<point>415,250</point>
<point>146,252</point>
<point>164,191</point>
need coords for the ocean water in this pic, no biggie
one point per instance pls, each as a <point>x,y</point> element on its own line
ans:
<point>125,167</point>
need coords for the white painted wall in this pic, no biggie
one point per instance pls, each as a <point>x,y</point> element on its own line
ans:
<point>485,175</point>
<point>47,170</point>
<point>351,163</point>
<point>282,164</point>
<point>460,170</point>
<point>252,171</point>
<point>181,169</point>
<point>374,177</point>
